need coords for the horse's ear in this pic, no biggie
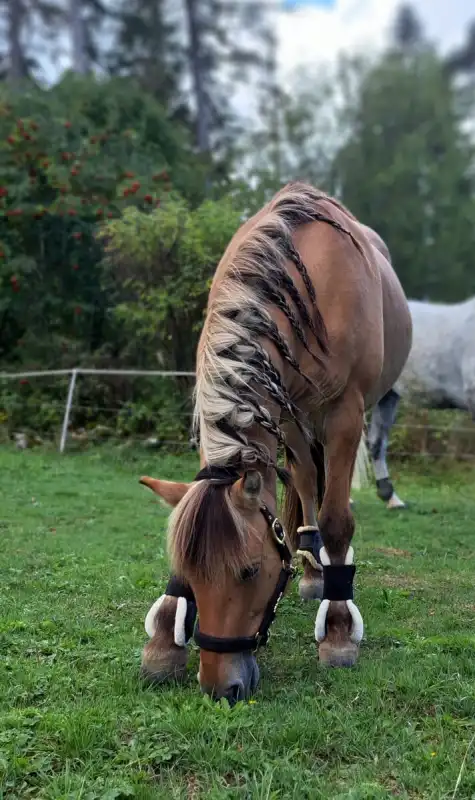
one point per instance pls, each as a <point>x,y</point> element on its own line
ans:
<point>249,487</point>
<point>169,491</point>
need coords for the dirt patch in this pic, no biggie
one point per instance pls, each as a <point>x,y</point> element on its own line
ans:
<point>399,582</point>
<point>192,788</point>
<point>393,551</point>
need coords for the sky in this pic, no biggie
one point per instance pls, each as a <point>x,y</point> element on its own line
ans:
<point>315,35</point>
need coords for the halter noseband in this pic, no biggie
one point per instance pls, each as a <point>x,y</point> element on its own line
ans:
<point>225,476</point>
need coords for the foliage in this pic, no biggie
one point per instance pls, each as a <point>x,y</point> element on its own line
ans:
<point>71,160</point>
<point>160,270</point>
<point>83,558</point>
<point>300,139</point>
<point>107,166</point>
<point>147,46</point>
<point>406,169</point>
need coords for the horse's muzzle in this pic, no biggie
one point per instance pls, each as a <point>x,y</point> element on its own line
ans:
<point>241,679</point>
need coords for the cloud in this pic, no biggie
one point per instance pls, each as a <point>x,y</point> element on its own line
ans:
<point>316,35</point>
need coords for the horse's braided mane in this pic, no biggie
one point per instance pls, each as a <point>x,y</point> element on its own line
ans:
<point>234,370</point>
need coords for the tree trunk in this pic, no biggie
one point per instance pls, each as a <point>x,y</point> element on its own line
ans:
<point>17,65</point>
<point>199,77</point>
<point>78,38</point>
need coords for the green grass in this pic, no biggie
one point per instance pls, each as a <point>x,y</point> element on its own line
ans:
<point>82,558</point>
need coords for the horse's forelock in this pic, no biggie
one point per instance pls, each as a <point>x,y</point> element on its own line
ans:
<point>207,537</point>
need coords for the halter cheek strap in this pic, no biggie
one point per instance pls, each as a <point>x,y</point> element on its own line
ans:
<point>338,585</point>
<point>240,644</point>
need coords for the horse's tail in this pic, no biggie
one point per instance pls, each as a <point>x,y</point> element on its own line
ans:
<point>292,513</point>
<point>362,471</point>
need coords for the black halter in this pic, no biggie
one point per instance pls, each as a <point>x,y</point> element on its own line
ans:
<point>226,644</point>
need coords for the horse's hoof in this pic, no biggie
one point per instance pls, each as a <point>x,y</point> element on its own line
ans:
<point>395,503</point>
<point>169,667</point>
<point>160,664</point>
<point>345,655</point>
<point>311,588</point>
<point>162,659</point>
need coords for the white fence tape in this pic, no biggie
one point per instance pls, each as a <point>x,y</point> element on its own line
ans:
<point>75,371</point>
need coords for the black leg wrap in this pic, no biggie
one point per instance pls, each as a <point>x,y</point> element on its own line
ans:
<point>190,619</point>
<point>310,542</point>
<point>177,588</point>
<point>338,582</point>
<point>385,489</point>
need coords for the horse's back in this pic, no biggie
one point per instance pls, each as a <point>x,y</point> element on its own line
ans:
<point>361,300</point>
<point>440,370</point>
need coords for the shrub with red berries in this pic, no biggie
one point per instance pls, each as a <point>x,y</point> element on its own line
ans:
<point>74,159</point>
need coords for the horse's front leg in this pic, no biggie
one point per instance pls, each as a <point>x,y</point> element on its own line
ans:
<point>169,624</point>
<point>307,477</point>
<point>338,626</point>
<point>382,420</point>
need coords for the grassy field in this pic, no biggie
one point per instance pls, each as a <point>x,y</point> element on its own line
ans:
<point>83,557</point>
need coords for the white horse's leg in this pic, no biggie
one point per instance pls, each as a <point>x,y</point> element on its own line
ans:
<point>382,420</point>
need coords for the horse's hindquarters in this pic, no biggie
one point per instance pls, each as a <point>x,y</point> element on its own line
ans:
<point>397,326</point>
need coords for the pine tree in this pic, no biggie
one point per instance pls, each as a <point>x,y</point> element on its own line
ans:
<point>405,171</point>
<point>407,30</point>
<point>225,47</point>
<point>27,21</point>
<point>85,20</point>
<point>147,47</point>
<point>461,61</point>
<point>14,60</point>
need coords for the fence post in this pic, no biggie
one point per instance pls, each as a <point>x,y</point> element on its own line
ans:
<point>64,432</point>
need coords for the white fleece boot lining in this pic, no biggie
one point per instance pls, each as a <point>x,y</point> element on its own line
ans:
<point>150,618</point>
<point>304,554</point>
<point>357,628</point>
<point>180,616</point>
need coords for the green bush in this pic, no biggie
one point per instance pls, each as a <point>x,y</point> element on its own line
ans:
<point>71,158</point>
<point>107,248</point>
<point>159,269</point>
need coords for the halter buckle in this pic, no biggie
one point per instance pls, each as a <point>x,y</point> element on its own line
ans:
<point>278,530</point>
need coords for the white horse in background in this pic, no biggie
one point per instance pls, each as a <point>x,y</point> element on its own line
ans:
<point>439,373</point>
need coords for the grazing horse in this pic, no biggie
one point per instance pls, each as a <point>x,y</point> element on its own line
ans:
<point>439,373</point>
<point>306,327</point>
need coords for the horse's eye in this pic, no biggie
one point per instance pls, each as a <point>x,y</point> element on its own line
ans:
<point>248,573</point>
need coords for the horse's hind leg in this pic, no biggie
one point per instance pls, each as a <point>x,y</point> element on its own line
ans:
<point>339,627</point>
<point>382,420</point>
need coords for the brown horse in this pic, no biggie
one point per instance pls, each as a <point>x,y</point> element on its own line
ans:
<point>306,327</point>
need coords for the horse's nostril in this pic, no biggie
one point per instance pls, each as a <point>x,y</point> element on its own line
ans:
<point>234,693</point>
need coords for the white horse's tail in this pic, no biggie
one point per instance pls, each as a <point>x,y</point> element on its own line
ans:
<point>362,471</point>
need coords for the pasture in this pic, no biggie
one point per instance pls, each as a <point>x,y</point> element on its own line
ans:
<point>83,557</point>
